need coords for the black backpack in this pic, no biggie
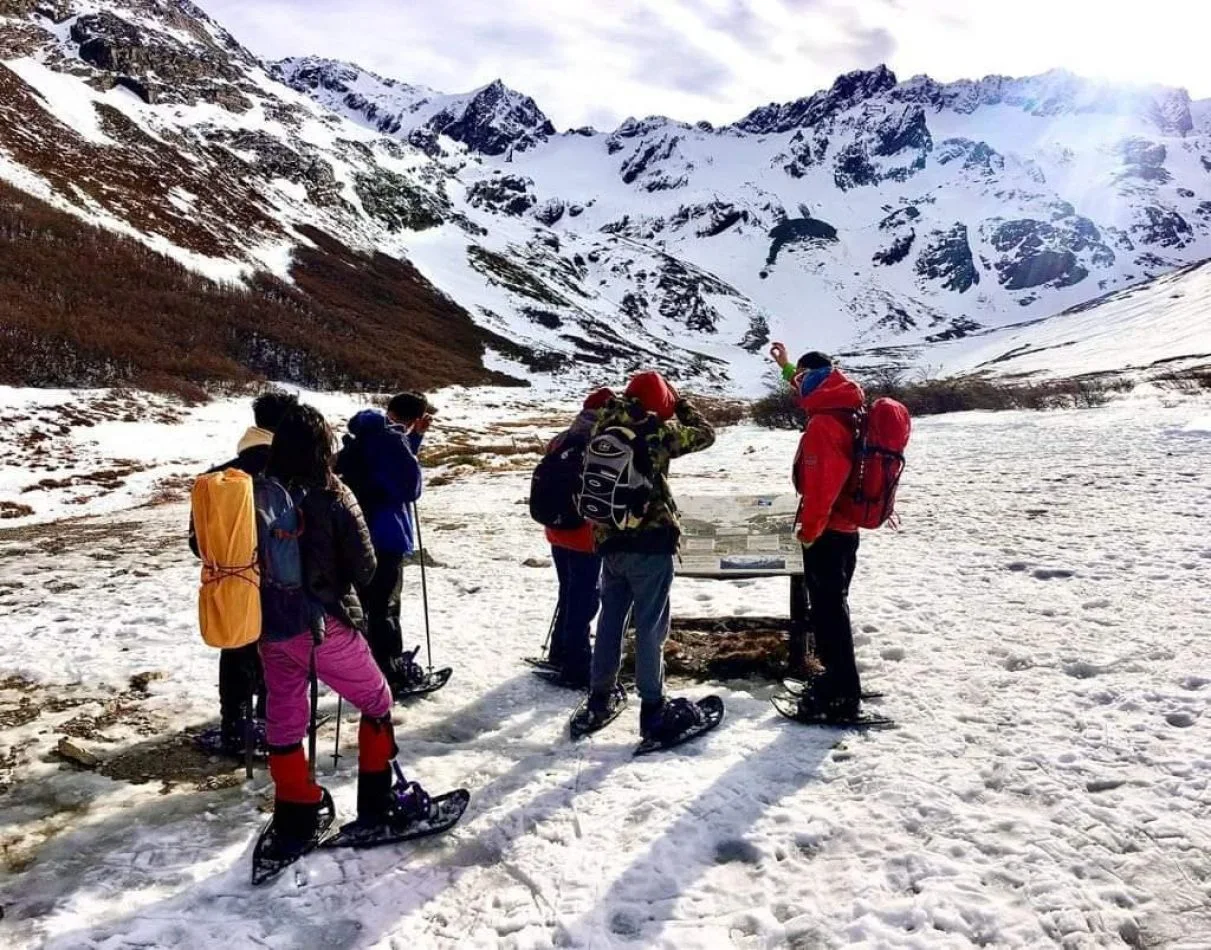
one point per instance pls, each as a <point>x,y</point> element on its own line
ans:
<point>353,467</point>
<point>556,483</point>
<point>617,485</point>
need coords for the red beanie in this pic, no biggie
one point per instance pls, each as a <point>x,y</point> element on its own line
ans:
<point>598,398</point>
<point>654,394</point>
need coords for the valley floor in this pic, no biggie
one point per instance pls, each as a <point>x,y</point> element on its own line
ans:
<point>1038,625</point>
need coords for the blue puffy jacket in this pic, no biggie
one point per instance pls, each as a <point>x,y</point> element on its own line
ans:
<point>379,464</point>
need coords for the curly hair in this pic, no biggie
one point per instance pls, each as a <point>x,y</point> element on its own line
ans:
<point>302,449</point>
<point>270,406</point>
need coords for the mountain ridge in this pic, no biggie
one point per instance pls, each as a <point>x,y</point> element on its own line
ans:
<point>876,212</point>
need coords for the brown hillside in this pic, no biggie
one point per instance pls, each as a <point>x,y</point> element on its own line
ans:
<point>81,306</point>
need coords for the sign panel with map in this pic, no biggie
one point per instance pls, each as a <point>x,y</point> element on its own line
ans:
<point>739,536</point>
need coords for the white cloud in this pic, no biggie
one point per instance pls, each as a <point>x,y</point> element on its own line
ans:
<point>717,59</point>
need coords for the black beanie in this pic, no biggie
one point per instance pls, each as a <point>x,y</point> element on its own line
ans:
<point>814,360</point>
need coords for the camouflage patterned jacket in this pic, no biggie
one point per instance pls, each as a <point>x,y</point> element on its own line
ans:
<point>660,532</point>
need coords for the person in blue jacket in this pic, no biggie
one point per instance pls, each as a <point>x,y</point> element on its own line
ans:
<point>379,464</point>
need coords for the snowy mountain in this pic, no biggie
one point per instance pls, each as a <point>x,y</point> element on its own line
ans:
<point>875,213</point>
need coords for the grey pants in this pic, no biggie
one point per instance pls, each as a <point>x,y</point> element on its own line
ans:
<point>641,581</point>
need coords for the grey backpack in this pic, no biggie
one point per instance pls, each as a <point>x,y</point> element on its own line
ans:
<point>616,487</point>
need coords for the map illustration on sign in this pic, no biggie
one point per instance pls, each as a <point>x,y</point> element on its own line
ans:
<point>739,535</point>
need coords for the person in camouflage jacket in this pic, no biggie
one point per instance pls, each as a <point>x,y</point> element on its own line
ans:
<point>637,569</point>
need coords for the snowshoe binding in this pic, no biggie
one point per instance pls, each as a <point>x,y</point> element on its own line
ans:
<point>680,720</point>
<point>293,831</point>
<point>407,678</point>
<point>410,813</point>
<point>800,710</point>
<point>797,687</point>
<point>597,712</point>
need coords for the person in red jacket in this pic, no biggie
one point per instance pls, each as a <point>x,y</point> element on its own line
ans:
<point>578,566</point>
<point>822,466</point>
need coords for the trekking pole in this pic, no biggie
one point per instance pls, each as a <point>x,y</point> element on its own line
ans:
<point>546,644</point>
<point>315,702</point>
<point>336,746</point>
<point>248,736</point>
<point>424,587</point>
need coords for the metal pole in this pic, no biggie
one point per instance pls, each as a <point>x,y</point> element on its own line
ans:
<point>336,746</point>
<point>424,586</point>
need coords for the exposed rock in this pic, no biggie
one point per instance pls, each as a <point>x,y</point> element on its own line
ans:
<point>396,202</point>
<point>798,231</point>
<point>494,121</point>
<point>647,155</point>
<point>1144,160</point>
<point>550,211</point>
<point>504,194</point>
<point>979,157</point>
<point>1163,227</point>
<point>947,257</point>
<point>846,92</point>
<point>74,752</point>
<point>716,217</point>
<point>903,137</point>
<point>896,251</point>
<point>900,217</point>
<point>1038,253</point>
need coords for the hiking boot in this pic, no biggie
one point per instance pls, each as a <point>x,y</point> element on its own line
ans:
<point>403,672</point>
<point>670,719</point>
<point>387,798</point>
<point>818,703</point>
<point>649,717</point>
<point>602,706</point>
<point>233,738</point>
<point>296,823</point>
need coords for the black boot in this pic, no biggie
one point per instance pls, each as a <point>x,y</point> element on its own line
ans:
<point>650,715</point>
<point>373,797</point>
<point>384,798</point>
<point>295,823</point>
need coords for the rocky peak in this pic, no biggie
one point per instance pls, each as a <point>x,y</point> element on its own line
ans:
<point>494,120</point>
<point>847,91</point>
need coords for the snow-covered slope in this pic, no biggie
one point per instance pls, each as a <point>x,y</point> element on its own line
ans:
<point>875,213</point>
<point>1159,327</point>
<point>1044,652</point>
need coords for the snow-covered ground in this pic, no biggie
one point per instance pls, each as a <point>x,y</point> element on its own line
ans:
<point>1038,625</point>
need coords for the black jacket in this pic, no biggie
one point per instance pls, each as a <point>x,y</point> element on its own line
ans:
<point>336,551</point>
<point>252,461</point>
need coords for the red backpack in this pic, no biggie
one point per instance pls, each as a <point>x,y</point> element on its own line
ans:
<point>869,497</point>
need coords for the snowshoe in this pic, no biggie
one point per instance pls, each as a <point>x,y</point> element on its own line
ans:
<point>797,687</point>
<point>557,677</point>
<point>430,682</point>
<point>407,678</point>
<point>540,662</point>
<point>276,849</point>
<point>681,721</point>
<point>792,707</point>
<point>412,813</point>
<point>594,715</point>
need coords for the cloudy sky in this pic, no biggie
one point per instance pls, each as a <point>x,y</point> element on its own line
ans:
<point>598,62</point>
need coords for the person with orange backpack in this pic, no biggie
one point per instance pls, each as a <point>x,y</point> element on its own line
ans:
<point>846,472</point>
<point>241,680</point>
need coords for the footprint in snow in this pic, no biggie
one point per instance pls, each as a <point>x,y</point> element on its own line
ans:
<point>892,653</point>
<point>1048,573</point>
<point>1181,719</point>
<point>1194,682</point>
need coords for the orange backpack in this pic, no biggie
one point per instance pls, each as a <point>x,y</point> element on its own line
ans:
<point>224,519</point>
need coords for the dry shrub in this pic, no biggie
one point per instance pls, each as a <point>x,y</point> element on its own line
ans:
<point>718,411</point>
<point>83,307</point>
<point>779,408</point>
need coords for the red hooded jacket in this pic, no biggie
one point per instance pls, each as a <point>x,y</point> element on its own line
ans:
<point>825,457</point>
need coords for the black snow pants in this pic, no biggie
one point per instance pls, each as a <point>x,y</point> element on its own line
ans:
<point>828,568</point>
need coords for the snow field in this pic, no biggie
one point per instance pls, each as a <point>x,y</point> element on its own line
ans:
<point>1037,624</point>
